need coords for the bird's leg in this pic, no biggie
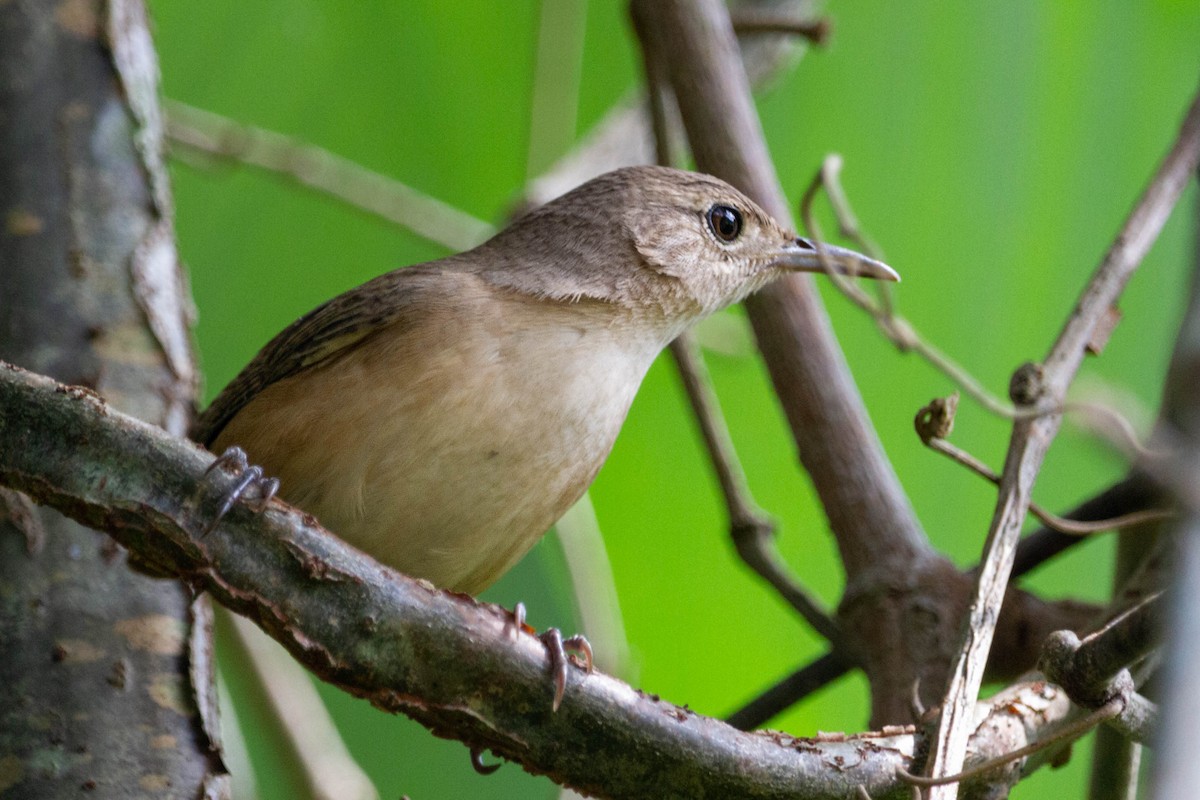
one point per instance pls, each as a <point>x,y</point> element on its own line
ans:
<point>556,649</point>
<point>234,460</point>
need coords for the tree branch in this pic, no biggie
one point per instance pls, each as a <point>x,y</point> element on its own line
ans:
<point>1177,770</point>
<point>101,664</point>
<point>212,136</point>
<point>786,692</point>
<point>1132,493</point>
<point>1045,389</point>
<point>867,509</point>
<point>455,665</point>
<point>1096,671</point>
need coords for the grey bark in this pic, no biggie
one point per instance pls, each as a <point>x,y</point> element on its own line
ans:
<point>97,678</point>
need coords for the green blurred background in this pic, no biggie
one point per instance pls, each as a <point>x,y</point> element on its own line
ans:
<point>992,149</point>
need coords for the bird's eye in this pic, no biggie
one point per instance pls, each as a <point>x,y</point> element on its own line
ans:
<point>725,222</point>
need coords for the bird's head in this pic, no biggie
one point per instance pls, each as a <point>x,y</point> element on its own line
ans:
<point>716,243</point>
<point>681,243</point>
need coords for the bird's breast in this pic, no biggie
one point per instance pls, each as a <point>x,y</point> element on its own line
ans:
<point>448,451</point>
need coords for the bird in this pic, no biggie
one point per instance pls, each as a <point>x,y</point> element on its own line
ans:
<point>442,417</point>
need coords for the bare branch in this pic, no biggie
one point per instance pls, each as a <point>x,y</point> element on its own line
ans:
<point>867,508</point>
<point>934,423</point>
<point>1132,493</point>
<point>218,137</point>
<point>456,665</point>
<point>1095,671</point>
<point>789,691</point>
<point>749,20</point>
<point>1125,640</point>
<point>450,662</point>
<point>1031,438</point>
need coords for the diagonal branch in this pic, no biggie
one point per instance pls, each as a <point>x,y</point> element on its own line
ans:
<point>203,133</point>
<point>868,511</point>
<point>1133,493</point>
<point>895,580</point>
<point>1045,388</point>
<point>751,530</point>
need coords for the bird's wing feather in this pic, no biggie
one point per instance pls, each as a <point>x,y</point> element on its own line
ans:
<point>319,336</point>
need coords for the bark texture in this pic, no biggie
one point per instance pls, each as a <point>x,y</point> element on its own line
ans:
<point>96,682</point>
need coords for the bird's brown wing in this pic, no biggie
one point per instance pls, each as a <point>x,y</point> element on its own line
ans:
<point>317,337</point>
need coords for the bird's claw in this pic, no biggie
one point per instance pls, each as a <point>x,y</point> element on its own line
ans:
<point>234,460</point>
<point>556,649</point>
<point>478,765</point>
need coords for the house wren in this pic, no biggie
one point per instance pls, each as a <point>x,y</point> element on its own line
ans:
<point>442,417</point>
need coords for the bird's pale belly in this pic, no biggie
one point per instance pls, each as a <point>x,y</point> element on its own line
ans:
<point>453,488</point>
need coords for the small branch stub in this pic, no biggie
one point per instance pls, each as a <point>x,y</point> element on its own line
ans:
<point>1027,385</point>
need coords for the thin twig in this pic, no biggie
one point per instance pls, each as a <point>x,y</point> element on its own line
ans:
<point>789,691</point>
<point>1072,527</point>
<point>752,531</point>
<point>1113,425</point>
<point>1031,439</point>
<point>1066,733</point>
<point>934,423</point>
<point>747,20</point>
<point>221,138</point>
<point>744,513</point>
<point>897,329</point>
<point>1133,492</point>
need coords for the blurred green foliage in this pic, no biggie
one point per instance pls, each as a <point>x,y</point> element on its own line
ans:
<point>991,149</point>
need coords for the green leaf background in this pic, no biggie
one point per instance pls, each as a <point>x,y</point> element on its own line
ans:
<point>992,149</point>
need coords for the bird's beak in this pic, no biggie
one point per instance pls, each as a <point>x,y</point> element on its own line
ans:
<point>800,255</point>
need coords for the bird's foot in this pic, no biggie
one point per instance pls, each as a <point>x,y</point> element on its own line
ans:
<point>556,649</point>
<point>250,479</point>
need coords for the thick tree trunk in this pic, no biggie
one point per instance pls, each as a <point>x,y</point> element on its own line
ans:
<point>96,678</point>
